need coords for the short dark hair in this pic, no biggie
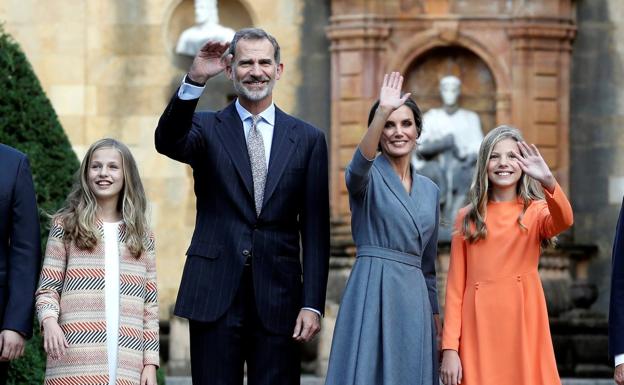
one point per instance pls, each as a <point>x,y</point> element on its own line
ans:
<point>411,104</point>
<point>254,34</point>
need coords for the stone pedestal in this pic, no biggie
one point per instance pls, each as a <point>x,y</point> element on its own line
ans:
<point>179,348</point>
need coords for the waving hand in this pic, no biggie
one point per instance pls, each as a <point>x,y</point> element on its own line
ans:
<point>210,61</point>
<point>533,164</point>
<point>390,93</point>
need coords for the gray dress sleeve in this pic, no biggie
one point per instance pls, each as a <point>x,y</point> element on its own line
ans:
<point>357,173</point>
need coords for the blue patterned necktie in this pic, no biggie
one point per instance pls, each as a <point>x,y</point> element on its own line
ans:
<point>255,147</point>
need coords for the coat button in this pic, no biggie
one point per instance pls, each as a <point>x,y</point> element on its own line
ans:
<point>246,253</point>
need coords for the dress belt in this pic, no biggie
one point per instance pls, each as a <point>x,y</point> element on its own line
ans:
<point>393,255</point>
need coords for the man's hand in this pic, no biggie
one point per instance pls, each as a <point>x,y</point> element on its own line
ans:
<point>209,61</point>
<point>11,345</point>
<point>307,326</point>
<point>618,375</point>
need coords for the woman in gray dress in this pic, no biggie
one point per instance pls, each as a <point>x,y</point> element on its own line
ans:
<point>388,320</point>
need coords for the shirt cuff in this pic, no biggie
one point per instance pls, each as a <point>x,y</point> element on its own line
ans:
<point>619,359</point>
<point>311,309</point>
<point>188,91</point>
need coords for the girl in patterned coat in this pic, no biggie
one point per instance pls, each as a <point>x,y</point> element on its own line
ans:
<point>97,301</point>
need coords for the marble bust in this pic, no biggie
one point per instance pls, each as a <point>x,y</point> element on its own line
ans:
<point>206,28</point>
<point>447,151</point>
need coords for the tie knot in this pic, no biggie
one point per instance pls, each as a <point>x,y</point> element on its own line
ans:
<point>255,119</point>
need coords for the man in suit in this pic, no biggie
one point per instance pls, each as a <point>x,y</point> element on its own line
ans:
<point>262,200</point>
<point>616,305</point>
<point>20,255</point>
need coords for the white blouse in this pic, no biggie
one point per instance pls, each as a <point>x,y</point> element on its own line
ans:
<point>111,291</point>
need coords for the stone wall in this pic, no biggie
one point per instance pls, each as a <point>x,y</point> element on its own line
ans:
<point>597,132</point>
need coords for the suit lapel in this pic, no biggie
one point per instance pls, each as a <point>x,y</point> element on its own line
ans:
<point>282,147</point>
<point>393,182</point>
<point>230,130</point>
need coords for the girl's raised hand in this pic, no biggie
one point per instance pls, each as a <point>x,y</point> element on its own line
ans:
<point>533,164</point>
<point>390,93</point>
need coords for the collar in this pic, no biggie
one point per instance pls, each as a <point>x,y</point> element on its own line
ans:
<point>267,115</point>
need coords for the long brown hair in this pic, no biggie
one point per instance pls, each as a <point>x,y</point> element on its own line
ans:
<point>527,188</point>
<point>78,216</point>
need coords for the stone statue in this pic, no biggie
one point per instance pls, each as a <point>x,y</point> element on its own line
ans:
<point>447,151</point>
<point>206,28</point>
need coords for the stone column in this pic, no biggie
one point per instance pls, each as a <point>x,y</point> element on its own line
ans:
<point>541,75</point>
<point>357,63</point>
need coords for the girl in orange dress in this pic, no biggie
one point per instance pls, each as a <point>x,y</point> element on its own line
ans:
<point>496,325</point>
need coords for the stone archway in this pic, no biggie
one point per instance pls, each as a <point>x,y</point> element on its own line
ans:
<point>447,36</point>
<point>479,91</point>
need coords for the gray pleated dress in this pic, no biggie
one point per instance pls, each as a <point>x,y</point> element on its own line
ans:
<point>385,333</point>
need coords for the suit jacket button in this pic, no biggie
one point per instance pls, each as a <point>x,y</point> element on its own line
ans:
<point>246,253</point>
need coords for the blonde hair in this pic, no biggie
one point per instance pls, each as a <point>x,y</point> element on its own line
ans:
<point>78,216</point>
<point>528,189</point>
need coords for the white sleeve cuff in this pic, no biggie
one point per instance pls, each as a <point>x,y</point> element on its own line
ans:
<point>188,91</point>
<point>619,359</point>
<point>316,311</point>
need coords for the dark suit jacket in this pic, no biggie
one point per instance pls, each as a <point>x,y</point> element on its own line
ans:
<point>20,248</point>
<point>616,305</point>
<point>295,214</point>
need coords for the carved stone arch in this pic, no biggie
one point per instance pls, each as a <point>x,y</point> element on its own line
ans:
<point>420,44</point>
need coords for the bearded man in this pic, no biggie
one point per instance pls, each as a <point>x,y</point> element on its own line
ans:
<point>254,281</point>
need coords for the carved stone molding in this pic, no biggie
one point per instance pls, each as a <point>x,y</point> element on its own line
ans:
<point>357,32</point>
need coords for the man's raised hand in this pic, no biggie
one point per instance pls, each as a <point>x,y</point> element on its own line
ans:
<point>210,61</point>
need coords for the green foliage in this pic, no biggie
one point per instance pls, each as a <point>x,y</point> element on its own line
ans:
<point>28,122</point>
<point>160,376</point>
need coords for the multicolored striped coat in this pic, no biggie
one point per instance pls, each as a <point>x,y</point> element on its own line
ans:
<point>71,289</point>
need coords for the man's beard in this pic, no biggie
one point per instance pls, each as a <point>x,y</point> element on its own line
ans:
<point>255,95</point>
